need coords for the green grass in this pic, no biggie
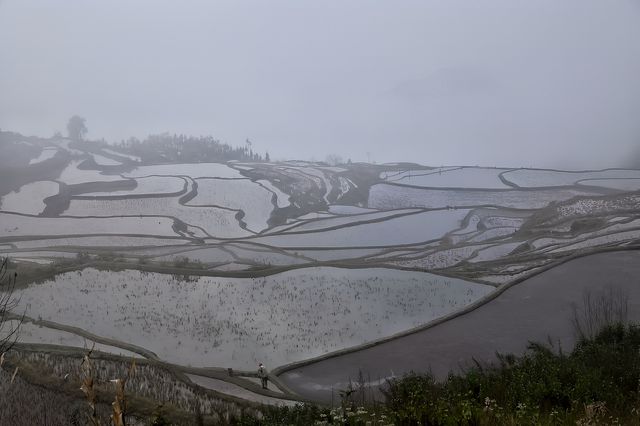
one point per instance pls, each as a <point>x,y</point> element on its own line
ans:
<point>596,383</point>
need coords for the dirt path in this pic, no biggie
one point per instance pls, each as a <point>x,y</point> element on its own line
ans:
<point>534,310</point>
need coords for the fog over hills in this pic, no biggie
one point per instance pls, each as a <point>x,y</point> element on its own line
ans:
<point>537,84</point>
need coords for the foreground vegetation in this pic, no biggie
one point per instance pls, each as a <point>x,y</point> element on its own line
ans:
<point>597,383</point>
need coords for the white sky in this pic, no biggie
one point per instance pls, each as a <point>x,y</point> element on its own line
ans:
<point>549,83</point>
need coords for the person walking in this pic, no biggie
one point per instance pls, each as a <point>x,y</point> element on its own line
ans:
<point>264,376</point>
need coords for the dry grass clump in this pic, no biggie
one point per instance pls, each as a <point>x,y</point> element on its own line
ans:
<point>120,403</point>
<point>8,302</point>
<point>25,404</point>
<point>149,388</point>
<point>600,309</point>
<point>88,378</point>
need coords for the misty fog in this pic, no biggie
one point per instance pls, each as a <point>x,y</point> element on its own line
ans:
<point>539,84</point>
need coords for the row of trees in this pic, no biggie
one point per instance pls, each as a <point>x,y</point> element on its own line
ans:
<point>181,147</point>
<point>168,147</point>
<point>173,147</point>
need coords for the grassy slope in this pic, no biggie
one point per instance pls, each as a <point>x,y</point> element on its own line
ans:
<point>597,383</point>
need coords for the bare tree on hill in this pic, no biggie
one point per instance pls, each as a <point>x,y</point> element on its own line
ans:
<point>8,328</point>
<point>77,128</point>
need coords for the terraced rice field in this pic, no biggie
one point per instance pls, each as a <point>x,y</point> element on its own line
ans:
<point>29,199</point>
<point>526,178</point>
<point>228,264</point>
<point>236,322</point>
<point>453,177</point>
